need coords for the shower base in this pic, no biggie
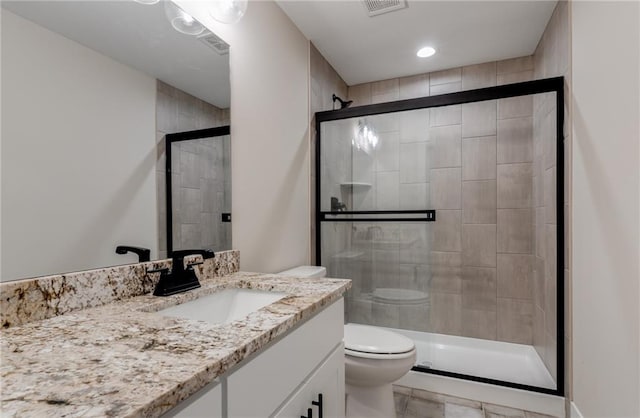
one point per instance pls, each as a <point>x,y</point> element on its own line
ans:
<point>497,360</point>
<point>515,363</point>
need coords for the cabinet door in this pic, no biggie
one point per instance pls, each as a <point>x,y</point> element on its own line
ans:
<point>259,387</point>
<point>327,380</point>
<point>207,402</point>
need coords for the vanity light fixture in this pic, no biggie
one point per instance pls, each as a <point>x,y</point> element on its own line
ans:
<point>425,52</point>
<point>147,1</point>
<point>228,11</point>
<point>182,21</point>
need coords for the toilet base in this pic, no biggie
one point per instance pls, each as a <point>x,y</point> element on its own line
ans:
<point>370,401</point>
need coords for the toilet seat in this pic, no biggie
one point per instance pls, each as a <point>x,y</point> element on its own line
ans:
<point>374,343</point>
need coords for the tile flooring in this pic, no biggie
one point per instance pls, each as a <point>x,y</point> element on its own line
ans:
<point>416,403</point>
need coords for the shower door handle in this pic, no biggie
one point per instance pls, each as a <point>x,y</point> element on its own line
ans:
<point>423,215</point>
<point>309,414</point>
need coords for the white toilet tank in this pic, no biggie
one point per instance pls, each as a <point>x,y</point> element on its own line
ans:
<point>308,272</point>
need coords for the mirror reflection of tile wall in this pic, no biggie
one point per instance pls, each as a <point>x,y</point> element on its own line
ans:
<point>202,181</point>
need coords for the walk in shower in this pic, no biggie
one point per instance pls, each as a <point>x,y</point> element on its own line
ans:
<point>446,212</point>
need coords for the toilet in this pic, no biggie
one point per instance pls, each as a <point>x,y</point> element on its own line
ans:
<point>374,359</point>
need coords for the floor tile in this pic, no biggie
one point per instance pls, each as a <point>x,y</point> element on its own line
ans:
<point>495,411</point>
<point>420,408</point>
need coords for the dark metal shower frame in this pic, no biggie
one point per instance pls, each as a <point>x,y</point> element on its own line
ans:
<point>178,137</point>
<point>548,85</point>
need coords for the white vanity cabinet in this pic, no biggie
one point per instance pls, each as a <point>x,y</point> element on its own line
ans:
<point>283,373</point>
<point>323,392</point>
<point>207,402</point>
<point>283,380</point>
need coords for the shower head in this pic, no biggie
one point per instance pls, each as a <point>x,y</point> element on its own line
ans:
<point>343,103</point>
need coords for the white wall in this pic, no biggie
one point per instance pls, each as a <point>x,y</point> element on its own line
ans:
<point>269,64</point>
<point>78,154</point>
<point>606,215</point>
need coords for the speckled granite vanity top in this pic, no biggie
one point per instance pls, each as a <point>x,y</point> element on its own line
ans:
<point>122,359</point>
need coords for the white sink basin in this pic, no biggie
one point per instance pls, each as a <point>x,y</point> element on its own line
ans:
<point>224,306</point>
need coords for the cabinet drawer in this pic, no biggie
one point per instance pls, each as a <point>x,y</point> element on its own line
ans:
<point>260,386</point>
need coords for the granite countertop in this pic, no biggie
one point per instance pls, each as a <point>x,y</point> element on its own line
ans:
<point>124,360</point>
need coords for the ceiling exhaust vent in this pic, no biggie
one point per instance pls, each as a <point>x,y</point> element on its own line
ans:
<point>378,7</point>
<point>215,43</point>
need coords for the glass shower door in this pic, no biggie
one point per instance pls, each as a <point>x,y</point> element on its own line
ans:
<point>375,219</point>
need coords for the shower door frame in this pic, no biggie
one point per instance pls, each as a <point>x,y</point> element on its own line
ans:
<point>178,137</point>
<point>547,85</point>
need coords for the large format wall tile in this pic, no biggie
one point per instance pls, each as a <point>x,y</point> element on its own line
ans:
<point>445,146</point>
<point>515,321</point>
<point>447,231</point>
<point>515,107</point>
<point>414,167</point>
<point>515,276</point>
<point>414,125</point>
<point>414,86</point>
<point>515,140</point>
<point>479,245</point>
<point>446,115</point>
<point>479,119</point>
<point>479,324</point>
<point>478,76</point>
<point>515,186</point>
<point>445,188</point>
<point>479,158</point>
<point>479,288</point>
<point>479,202</point>
<point>515,231</point>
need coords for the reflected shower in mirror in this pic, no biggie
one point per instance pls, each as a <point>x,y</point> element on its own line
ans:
<point>199,189</point>
<point>90,89</point>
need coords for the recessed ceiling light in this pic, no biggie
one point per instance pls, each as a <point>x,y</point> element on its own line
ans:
<point>425,52</point>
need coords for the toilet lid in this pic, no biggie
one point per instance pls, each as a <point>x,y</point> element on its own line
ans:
<point>368,339</point>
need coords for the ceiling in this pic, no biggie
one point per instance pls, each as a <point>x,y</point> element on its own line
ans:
<point>139,36</point>
<point>364,49</point>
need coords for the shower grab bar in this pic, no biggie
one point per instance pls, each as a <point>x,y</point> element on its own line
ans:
<point>429,216</point>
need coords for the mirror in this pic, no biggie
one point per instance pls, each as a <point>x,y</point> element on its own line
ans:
<point>89,91</point>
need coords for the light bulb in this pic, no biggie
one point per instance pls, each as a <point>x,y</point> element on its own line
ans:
<point>147,1</point>
<point>182,21</point>
<point>228,11</point>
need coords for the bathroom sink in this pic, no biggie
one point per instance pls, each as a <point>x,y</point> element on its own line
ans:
<point>224,306</point>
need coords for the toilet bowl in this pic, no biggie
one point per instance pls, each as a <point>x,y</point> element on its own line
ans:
<point>374,358</point>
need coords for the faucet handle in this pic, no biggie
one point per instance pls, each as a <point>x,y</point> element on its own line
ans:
<point>190,265</point>
<point>162,270</point>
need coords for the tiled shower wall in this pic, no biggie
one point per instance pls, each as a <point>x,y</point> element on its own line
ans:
<point>477,258</point>
<point>551,59</point>
<point>177,111</point>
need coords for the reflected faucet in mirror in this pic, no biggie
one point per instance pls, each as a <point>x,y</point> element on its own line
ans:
<point>144,254</point>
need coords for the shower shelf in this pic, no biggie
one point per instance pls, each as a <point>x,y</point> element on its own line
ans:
<point>355,185</point>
